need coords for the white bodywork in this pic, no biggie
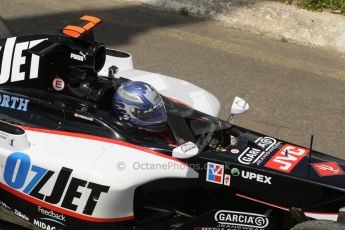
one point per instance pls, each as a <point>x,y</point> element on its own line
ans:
<point>173,88</point>
<point>118,165</point>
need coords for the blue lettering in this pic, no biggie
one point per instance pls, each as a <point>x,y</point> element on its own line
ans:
<point>39,174</point>
<point>17,180</point>
<point>5,101</point>
<point>23,104</point>
<point>12,102</point>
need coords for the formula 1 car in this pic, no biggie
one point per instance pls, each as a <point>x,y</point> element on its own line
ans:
<point>66,163</point>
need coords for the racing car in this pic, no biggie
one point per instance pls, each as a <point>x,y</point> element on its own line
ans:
<point>66,163</point>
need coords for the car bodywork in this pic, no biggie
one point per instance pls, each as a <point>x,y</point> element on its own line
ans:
<point>67,164</point>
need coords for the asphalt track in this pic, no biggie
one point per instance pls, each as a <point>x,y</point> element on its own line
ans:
<point>293,90</point>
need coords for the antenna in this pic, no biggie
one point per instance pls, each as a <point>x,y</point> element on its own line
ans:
<point>310,148</point>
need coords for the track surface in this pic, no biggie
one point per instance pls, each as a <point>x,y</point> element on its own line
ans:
<point>294,91</point>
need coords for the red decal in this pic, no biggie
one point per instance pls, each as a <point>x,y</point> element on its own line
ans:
<point>328,169</point>
<point>227,179</point>
<point>287,158</point>
<point>215,173</point>
<point>58,84</point>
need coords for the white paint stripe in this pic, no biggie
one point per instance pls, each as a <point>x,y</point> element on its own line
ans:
<point>322,216</point>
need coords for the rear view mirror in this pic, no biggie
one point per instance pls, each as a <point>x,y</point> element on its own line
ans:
<point>239,106</point>
<point>186,150</point>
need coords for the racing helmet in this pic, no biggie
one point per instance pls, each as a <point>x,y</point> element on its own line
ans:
<point>139,105</point>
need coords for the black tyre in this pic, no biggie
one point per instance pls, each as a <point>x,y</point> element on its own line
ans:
<point>319,225</point>
<point>4,31</point>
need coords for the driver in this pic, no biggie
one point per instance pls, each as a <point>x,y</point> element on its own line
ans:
<point>139,105</point>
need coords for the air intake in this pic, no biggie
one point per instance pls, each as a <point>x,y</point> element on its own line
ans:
<point>12,137</point>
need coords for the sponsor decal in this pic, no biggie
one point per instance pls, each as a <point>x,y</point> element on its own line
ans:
<point>251,176</point>
<point>79,57</point>
<point>241,103</point>
<point>186,147</point>
<point>235,151</point>
<point>4,205</point>
<point>235,172</point>
<point>287,158</point>
<point>58,84</point>
<point>249,155</point>
<point>215,173</point>
<point>256,177</point>
<point>266,154</point>
<point>21,175</point>
<point>328,169</point>
<point>43,225</point>
<point>227,179</point>
<point>240,220</point>
<point>11,143</point>
<point>52,214</point>
<point>15,103</point>
<point>53,221</point>
<point>253,155</point>
<point>7,140</point>
<point>265,142</point>
<point>12,68</point>
<point>83,117</point>
<point>21,215</point>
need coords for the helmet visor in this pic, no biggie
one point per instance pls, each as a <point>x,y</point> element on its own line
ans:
<point>146,117</point>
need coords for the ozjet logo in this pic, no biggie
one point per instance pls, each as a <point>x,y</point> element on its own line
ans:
<point>242,220</point>
<point>15,65</point>
<point>30,179</point>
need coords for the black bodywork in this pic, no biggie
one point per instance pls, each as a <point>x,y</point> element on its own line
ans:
<point>255,186</point>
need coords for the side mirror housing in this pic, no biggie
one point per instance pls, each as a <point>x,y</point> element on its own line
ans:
<point>239,106</point>
<point>186,150</point>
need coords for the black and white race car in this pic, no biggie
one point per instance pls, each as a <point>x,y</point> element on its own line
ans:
<point>65,163</point>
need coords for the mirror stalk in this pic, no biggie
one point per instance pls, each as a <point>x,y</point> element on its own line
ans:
<point>230,118</point>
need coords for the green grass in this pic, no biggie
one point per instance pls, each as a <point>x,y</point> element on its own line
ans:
<point>184,11</point>
<point>322,4</point>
